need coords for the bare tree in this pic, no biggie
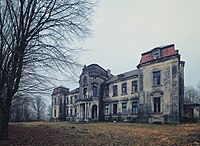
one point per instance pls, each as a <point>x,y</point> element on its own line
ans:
<point>21,109</point>
<point>39,107</point>
<point>35,38</point>
<point>192,95</point>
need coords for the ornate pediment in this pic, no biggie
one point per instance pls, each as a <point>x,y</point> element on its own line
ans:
<point>157,93</point>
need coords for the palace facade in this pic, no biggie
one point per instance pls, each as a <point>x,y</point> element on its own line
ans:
<point>154,92</point>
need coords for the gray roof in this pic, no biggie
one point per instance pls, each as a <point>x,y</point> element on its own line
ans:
<point>123,76</point>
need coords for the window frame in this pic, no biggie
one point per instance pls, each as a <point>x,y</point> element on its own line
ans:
<point>115,108</point>
<point>115,90</point>
<point>157,78</point>
<point>124,88</point>
<point>157,104</point>
<point>124,108</point>
<point>134,107</point>
<point>134,86</point>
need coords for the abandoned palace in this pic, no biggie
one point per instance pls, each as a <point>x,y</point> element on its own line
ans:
<point>153,92</point>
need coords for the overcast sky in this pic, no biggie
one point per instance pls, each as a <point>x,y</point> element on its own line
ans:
<point>123,29</point>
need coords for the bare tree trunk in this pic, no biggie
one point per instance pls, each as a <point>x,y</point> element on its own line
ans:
<point>4,119</point>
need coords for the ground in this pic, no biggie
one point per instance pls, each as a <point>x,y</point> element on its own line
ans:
<point>65,133</point>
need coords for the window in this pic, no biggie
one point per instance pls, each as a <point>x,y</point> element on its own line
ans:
<point>94,79</point>
<point>85,92</point>
<point>71,112</point>
<point>156,54</point>
<point>156,105</point>
<point>67,112</point>
<point>134,107</point>
<point>124,88</point>
<point>106,91</point>
<point>174,70</point>
<point>85,80</point>
<point>114,109</point>
<point>75,112</point>
<point>61,105</point>
<point>156,78</point>
<point>134,86</point>
<point>67,100</point>
<point>54,112</point>
<point>54,101</point>
<point>94,90</point>
<point>106,109</point>
<point>75,98</point>
<point>71,100</point>
<point>115,90</point>
<point>191,112</point>
<point>124,108</point>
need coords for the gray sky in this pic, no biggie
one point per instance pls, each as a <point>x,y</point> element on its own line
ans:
<point>123,29</point>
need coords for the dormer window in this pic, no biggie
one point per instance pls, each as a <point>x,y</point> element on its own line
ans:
<point>156,54</point>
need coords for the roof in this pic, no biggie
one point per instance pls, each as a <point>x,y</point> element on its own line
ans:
<point>94,68</point>
<point>165,51</point>
<point>74,91</point>
<point>123,76</point>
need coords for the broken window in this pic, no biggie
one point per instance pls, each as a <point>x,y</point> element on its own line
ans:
<point>124,88</point>
<point>156,105</point>
<point>114,109</point>
<point>156,78</point>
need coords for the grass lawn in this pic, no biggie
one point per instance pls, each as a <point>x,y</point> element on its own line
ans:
<point>64,133</point>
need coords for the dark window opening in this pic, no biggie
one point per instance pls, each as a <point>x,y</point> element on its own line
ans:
<point>94,90</point>
<point>85,92</point>
<point>114,109</point>
<point>71,114</point>
<point>156,78</point>
<point>67,100</point>
<point>54,101</point>
<point>55,113</point>
<point>71,100</point>
<point>67,112</point>
<point>157,105</point>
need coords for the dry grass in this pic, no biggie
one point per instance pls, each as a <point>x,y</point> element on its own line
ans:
<point>64,133</point>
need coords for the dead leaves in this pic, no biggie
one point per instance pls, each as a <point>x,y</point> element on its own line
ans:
<point>64,133</point>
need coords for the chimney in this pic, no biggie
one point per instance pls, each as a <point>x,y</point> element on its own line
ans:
<point>109,73</point>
